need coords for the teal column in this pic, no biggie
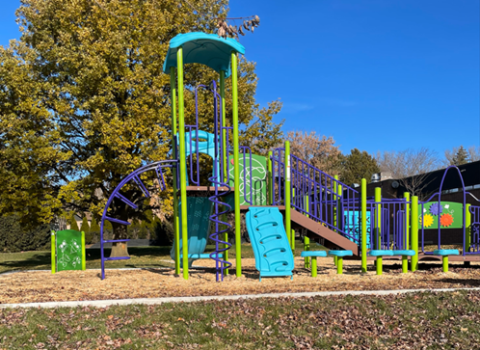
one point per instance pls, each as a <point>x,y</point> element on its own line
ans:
<point>236,168</point>
<point>54,252</point>
<point>414,220</point>
<point>224,155</point>
<point>364,224</point>
<point>183,163</point>
<point>176,218</point>
<point>270,178</point>
<point>288,223</point>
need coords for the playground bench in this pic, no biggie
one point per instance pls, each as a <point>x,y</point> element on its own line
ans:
<point>405,254</point>
<point>340,254</point>
<point>314,254</point>
<point>444,253</point>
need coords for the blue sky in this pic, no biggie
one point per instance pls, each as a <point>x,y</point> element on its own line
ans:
<point>374,74</point>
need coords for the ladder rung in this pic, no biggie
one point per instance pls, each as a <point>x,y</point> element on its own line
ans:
<point>118,258</point>
<point>117,221</point>
<point>126,201</point>
<point>116,240</point>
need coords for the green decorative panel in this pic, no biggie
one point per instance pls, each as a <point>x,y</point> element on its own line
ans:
<point>69,250</point>
<point>449,213</point>
<point>258,179</point>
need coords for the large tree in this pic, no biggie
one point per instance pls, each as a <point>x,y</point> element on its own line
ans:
<point>320,151</point>
<point>410,167</point>
<point>103,102</point>
<point>358,165</point>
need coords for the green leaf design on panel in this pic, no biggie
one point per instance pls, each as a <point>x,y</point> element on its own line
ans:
<point>258,179</point>
<point>69,250</point>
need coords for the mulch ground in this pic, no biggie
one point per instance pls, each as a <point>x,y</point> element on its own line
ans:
<point>42,286</point>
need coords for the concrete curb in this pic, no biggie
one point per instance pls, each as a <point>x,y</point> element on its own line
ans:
<point>158,301</point>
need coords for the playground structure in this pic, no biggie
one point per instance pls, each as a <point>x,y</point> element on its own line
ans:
<point>332,213</point>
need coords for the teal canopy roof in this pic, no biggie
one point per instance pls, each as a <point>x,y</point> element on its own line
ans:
<point>207,49</point>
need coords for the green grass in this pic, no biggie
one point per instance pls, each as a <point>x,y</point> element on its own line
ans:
<point>413,321</point>
<point>139,257</point>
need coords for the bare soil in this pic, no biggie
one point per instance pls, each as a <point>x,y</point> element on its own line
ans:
<point>42,286</point>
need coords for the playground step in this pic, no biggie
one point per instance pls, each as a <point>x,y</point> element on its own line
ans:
<point>329,238</point>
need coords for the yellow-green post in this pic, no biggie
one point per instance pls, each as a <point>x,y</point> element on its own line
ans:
<point>379,265</point>
<point>54,252</point>
<point>306,247</point>
<point>288,224</point>
<point>314,266</point>
<point>225,154</point>
<point>293,241</point>
<point>445,263</point>
<point>414,221</point>
<point>406,195</point>
<point>84,258</point>
<point>404,263</point>
<point>176,226</point>
<point>270,178</point>
<point>339,265</point>
<point>236,168</point>
<point>183,163</point>
<point>364,224</point>
<point>378,224</point>
<point>468,228</point>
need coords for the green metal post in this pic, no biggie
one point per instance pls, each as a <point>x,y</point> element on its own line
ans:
<point>406,195</point>
<point>293,241</point>
<point>364,224</point>
<point>270,178</point>
<point>404,263</point>
<point>176,218</point>
<point>84,258</point>
<point>339,265</point>
<point>225,153</point>
<point>414,222</point>
<point>54,253</point>
<point>314,266</point>
<point>445,263</point>
<point>468,228</point>
<point>183,163</point>
<point>306,247</point>
<point>236,168</point>
<point>379,265</point>
<point>288,224</point>
<point>378,223</point>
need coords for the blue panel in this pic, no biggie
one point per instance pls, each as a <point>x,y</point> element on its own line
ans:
<point>404,252</point>
<point>273,255</point>
<point>207,49</point>
<point>199,209</point>
<point>317,253</point>
<point>381,252</point>
<point>340,253</point>
<point>444,252</point>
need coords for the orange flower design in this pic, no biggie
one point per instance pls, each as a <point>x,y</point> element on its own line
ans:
<point>446,220</point>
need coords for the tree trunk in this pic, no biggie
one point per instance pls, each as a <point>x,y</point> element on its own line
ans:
<point>119,249</point>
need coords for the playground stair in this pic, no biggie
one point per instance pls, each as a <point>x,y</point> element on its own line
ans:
<point>325,236</point>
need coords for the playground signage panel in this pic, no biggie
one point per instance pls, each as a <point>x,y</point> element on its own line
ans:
<point>449,214</point>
